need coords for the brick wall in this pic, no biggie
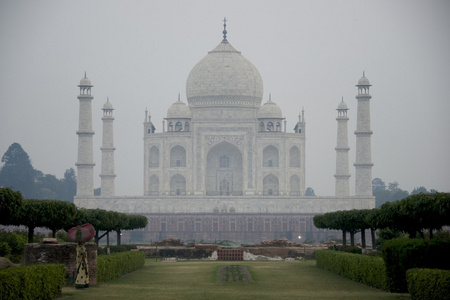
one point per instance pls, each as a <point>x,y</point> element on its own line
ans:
<point>65,254</point>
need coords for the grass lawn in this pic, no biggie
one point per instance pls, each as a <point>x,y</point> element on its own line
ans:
<point>199,280</point>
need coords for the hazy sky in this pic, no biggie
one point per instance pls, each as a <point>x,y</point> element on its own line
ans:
<point>310,54</point>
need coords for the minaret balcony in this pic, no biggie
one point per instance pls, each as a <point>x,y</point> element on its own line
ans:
<point>80,132</point>
<point>367,132</point>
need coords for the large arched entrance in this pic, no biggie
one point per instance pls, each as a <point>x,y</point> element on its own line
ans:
<point>224,171</point>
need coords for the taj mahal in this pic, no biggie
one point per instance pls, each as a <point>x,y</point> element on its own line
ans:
<point>223,166</point>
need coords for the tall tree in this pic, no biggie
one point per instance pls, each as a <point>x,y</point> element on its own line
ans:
<point>385,194</point>
<point>378,185</point>
<point>70,185</point>
<point>47,186</point>
<point>419,190</point>
<point>17,172</point>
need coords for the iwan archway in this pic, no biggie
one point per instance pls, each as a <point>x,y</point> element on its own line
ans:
<point>224,171</point>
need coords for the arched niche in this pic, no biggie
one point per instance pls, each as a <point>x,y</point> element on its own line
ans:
<point>270,157</point>
<point>294,157</point>
<point>177,157</point>
<point>271,185</point>
<point>178,185</point>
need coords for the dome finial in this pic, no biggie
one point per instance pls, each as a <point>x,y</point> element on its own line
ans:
<point>178,96</point>
<point>270,96</point>
<point>364,74</point>
<point>224,31</point>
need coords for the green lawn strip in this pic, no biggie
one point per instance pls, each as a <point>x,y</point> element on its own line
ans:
<point>198,280</point>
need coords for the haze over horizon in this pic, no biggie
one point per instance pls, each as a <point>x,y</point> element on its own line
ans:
<point>310,55</point>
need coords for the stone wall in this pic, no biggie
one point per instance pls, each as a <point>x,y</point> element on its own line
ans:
<point>65,254</point>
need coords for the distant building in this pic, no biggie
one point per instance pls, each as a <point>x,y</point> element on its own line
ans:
<point>224,165</point>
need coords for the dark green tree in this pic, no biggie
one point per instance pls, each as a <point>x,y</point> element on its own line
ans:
<point>136,222</point>
<point>30,215</point>
<point>378,185</point>
<point>10,203</point>
<point>47,186</point>
<point>416,213</point>
<point>69,186</point>
<point>385,194</point>
<point>419,190</point>
<point>309,191</point>
<point>122,221</point>
<point>17,172</point>
<point>57,214</point>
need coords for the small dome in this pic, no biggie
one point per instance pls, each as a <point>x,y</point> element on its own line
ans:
<point>342,106</point>
<point>107,106</point>
<point>363,81</point>
<point>85,81</point>
<point>270,110</point>
<point>179,110</point>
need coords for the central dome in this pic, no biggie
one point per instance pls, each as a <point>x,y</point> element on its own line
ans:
<point>224,78</point>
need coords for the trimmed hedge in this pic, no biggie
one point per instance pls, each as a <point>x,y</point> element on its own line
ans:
<point>32,282</point>
<point>402,254</point>
<point>428,284</point>
<point>116,264</point>
<point>346,248</point>
<point>365,269</point>
<point>115,249</point>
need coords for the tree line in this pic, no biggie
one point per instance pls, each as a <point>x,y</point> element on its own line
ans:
<point>18,173</point>
<point>415,215</point>
<point>392,192</point>
<point>56,215</point>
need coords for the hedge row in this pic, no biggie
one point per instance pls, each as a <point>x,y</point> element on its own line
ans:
<point>116,264</point>
<point>428,284</point>
<point>365,269</point>
<point>402,254</point>
<point>115,248</point>
<point>32,282</point>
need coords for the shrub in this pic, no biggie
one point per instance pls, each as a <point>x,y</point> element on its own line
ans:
<point>428,284</point>
<point>5,250</point>
<point>360,268</point>
<point>116,264</point>
<point>12,244</point>
<point>402,254</point>
<point>115,249</point>
<point>345,248</point>
<point>32,282</point>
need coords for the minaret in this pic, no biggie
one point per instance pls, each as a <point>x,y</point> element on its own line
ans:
<point>342,171</point>
<point>363,164</point>
<point>85,163</point>
<point>107,175</point>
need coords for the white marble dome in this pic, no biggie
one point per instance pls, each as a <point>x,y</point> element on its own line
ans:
<point>270,110</point>
<point>363,81</point>
<point>85,81</point>
<point>224,77</point>
<point>342,106</point>
<point>179,110</point>
<point>107,106</point>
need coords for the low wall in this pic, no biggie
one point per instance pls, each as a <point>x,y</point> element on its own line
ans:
<point>64,253</point>
<point>207,251</point>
